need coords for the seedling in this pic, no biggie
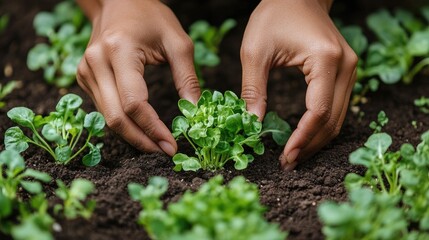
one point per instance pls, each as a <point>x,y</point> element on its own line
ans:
<point>219,128</point>
<point>68,33</point>
<point>4,21</point>
<point>400,52</point>
<point>6,90</point>
<point>60,132</point>
<point>230,212</point>
<point>423,104</point>
<point>73,198</point>
<point>382,120</point>
<point>207,39</point>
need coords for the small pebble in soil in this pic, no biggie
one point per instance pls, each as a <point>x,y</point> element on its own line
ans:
<point>57,227</point>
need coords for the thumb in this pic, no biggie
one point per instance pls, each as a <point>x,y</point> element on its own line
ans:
<point>254,82</point>
<point>181,61</point>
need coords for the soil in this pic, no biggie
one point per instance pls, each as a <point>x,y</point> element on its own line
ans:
<point>291,198</point>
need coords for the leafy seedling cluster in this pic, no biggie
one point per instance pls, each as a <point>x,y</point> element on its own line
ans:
<point>68,33</point>
<point>215,211</point>
<point>382,120</point>
<point>423,104</point>
<point>219,128</point>
<point>28,218</point>
<point>58,133</point>
<point>391,199</point>
<point>206,39</point>
<point>6,90</point>
<point>400,51</point>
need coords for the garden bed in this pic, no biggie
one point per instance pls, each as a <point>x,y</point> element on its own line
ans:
<point>290,197</point>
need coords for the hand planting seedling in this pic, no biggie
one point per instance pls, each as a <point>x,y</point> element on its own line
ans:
<point>6,90</point>
<point>219,128</point>
<point>68,33</point>
<point>214,212</point>
<point>58,133</point>
<point>400,52</point>
<point>207,39</point>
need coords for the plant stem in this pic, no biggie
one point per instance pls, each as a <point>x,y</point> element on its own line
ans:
<point>408,78</point>
<point>80,150</point>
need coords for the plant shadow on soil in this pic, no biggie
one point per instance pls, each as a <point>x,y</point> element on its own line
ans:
<point>291,198</point>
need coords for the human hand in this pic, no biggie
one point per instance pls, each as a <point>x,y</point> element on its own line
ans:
<point>127,36</point>
<point>283,33</point>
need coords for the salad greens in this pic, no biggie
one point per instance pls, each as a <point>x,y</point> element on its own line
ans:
<point>207,39</point>
<point>68,33</point>
<point>219,128</point>
<point>60,132</point>
<point>217,212</point>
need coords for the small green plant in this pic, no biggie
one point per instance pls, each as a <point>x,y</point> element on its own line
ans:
<point>15,214</point>
<point>214,212</point>
<point>68,33</point>
<point>382,120</point>
<point>6,90</point>
<point>423,104</point>
<point>4,21</point>
<point>399,53</point>
<point>366,216</point>
<point>62,129</point>
<point>207,39</point>
<point>73,198</point>
<point>219,128</point>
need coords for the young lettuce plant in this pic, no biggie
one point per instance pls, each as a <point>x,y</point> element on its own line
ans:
<point>423,104</point>
<point>231,212</point>
<point>68,33</point>
<point>58,133</point>
<point>23,219</point>
<point>382,120</point>
<point>219,128</point>
<point>73,198</point>
<point>207,39</point>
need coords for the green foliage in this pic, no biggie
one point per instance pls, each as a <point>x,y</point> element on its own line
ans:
<point>217,212</point>
<point>58,133</point>
<point>423,104</point>
<point>73,198</point>
<point>382,120</point>
<point>68,33</point>
<point>207,39</point>
<point>397,184</point>
<point>6,90</point>
<point>4,21</point>
<point>401,49</point>
<point>219,128</point>
<point>366,216</point>
<point>28,218</point>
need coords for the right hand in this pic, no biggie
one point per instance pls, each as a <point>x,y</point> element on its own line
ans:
<point>127,36</point>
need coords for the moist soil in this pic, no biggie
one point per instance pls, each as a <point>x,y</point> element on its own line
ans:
<point>291,198</point>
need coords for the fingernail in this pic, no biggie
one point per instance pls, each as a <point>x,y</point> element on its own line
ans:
<point>167,147</point>
<point>289,166</point>
<point>292,155</point>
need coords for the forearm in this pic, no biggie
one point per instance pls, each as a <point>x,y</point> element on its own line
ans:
<point>90,7</point>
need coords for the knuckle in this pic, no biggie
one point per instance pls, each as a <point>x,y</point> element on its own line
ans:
<point>332,129</point>
<point>92,54</point>
<point>185,45</point>
<point>252,94</point>
<point>189,84</point>
<point>330,50</point>
<point>321,114</point>
<point>131,106</point>
<point>150,128</point>
<point>114,122</point>
<point>113,41</point>
<point>248,51</point>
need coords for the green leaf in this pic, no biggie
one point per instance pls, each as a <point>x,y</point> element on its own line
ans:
<point>94,122</point>
<point>187,108</point>
<point>355,38</point>
<point>51,134</point>
<point>21,115</point>
<point>14,139</point>
<point>6,206</point>
<point>387,28</point>
<point>179,126</point>
<point>44,23</point>
<point>407,19</point>
<point>362,156</point>
<point>41,176</point>
<point>259,148</point>
<point>68,102</point>
<point>31,187</point>
<point>379,142</point>
<point>13,161</point>
<point>279,128</point>
<point>418,45</point>
<point>233,123</point>
<point>39,56</point>
<point>186,163</point>
<point>241,161</point>
<point>93,157</point>
<point>80,188</point>
<point>226,26</point>
<point>63,153</point>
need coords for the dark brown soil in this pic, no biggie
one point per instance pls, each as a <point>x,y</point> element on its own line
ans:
<point>291,198</point>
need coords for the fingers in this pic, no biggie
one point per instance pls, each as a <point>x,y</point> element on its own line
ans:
<point>128,68</point>
<point>108,100</point>
<point>321,124</point>
<point>255,70</point>
<point>180,55</point>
